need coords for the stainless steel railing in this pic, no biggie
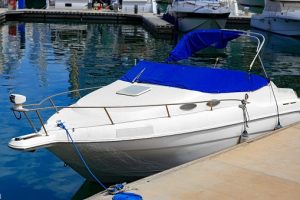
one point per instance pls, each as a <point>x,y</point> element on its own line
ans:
<point>37,108</point>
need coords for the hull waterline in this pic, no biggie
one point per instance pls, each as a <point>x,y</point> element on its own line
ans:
<point>188,24</point>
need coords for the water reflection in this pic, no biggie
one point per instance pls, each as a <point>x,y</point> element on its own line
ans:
<point>87,189</point>
<point>281,57</point>
<point>39,59</point>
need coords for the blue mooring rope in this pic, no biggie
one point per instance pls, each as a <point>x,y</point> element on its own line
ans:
<point>117,189</point>
<point>61,125</point>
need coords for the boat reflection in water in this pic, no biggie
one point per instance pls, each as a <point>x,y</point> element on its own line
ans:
<point>87,189</point>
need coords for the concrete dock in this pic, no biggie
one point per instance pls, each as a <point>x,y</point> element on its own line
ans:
<point>149,21</point>
<point>264,168</point>
<point>152,22</point>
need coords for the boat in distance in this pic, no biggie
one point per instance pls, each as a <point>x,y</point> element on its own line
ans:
<point>200,14</point>
<point>161,115</point>
<point>280,16</point>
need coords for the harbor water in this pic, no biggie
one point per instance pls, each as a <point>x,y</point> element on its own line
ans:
<point>40,59</point>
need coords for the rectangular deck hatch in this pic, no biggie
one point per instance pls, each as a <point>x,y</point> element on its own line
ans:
<point>134,90</point>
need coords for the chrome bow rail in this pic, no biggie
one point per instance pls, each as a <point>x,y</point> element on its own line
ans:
<point>37,108</point>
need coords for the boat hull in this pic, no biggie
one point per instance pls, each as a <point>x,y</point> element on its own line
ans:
<point>186,24</point>
<point>283,26</point>
<point>130,160</point>
<point>124,166</point>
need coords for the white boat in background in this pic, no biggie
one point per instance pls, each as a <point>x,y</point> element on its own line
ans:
<point>67,4</point>
<point>279,16</point>
<point>160,115</point>
<point>252,3</point>
<point>199,14</point>
<point>139,6</point>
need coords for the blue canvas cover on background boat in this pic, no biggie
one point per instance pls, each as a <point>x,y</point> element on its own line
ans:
<point>203,79</point>
<point>201,39</point>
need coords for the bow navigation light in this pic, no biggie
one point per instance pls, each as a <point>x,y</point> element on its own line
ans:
<point>18,100</point>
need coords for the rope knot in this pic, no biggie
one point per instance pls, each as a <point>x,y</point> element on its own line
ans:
<point>114,189</point>
<point>60,124</point>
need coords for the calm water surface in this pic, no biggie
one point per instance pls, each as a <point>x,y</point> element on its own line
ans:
<point>38,60</point>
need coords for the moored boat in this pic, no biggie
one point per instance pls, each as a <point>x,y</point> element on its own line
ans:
<point>160,115</point>
<point>280,16</point>
<point>201,14</point>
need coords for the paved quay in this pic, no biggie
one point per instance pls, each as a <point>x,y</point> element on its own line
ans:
<point>264,168</point>
<point>151,22</point>
<point>158,25</point>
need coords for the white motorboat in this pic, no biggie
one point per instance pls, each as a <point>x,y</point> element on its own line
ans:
<point>280,16</point>
<point>200,14</point>
<point>160,115</point>
<point>67,4</point>
<point>252,3</point>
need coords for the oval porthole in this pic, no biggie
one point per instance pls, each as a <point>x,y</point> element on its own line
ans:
<point>188,106</point>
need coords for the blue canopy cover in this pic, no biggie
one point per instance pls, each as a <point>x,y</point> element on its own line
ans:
<point>203,79</point>
<point>199,39</point>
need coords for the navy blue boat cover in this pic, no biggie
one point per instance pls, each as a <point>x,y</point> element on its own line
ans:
<point>200,39</point>
<point>203,79</point>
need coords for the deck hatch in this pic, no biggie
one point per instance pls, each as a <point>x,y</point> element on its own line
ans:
<point>134,90</point>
